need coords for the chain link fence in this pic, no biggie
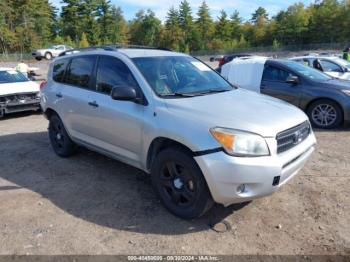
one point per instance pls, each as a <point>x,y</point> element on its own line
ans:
<point>15,57</point>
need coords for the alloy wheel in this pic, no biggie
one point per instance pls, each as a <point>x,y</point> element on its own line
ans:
<point>178,184</point>
<point>324,115</point>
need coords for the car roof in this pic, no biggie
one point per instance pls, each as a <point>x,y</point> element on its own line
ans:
<point>139,52</point>
<point>314,57</point>
<point>7,69</point>
<point>129,52</point>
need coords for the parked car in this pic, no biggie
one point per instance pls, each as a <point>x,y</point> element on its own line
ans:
<point>331,65</point>
<point>17,92</point>
<point>216,58</point>
<point>228,58</point>
<point>326,100</point>
<point>153,109</point>
<point>49,53</point>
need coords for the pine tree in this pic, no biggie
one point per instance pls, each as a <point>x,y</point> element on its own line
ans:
<point>186,23</point>
<point>173,33</point>
<point>204,25</point>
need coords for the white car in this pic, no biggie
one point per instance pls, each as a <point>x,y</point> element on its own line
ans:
<point>49,53</point>
<point>17,92</point>
<point>331,65</point>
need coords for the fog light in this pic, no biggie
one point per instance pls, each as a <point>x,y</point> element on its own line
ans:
<point>241,189</point>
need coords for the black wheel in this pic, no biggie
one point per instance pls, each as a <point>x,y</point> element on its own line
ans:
<point>48,56</point>
<point>38,58</point>
<point>325,114</point>
<point>60,141</point>
<point>180,184</point>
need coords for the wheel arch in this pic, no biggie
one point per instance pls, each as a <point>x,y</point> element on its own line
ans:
<point>49,112</point>
<point>48,52</point>
<point>324,98</point>
<point>160,143</point>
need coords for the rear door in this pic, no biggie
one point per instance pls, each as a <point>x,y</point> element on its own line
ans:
<point>274,83</point>
<point>75,94</point>
<point>117,125</point>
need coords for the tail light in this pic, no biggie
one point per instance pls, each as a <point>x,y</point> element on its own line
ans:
<point>42,85</point>
<point>221,61</point>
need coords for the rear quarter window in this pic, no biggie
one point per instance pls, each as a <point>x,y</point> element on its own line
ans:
<point>58,69</point>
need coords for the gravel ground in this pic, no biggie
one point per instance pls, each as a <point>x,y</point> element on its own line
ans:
<point>90,204</point>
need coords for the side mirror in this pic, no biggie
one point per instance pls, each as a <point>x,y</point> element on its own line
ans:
<point>124,93</point>
<point>294,80</point>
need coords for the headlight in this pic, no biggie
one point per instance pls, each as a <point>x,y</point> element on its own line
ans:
<point>347,92</point>
<point>240,143</point>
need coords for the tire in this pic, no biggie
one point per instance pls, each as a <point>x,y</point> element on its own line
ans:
<point>48,56</point>
<point>38,58</point>
<point>180,185</point>
<point>325,114</point>
<point>59,138</point>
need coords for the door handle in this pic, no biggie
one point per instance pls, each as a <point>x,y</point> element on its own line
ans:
<point>93,103</point>
<point>59,95</point>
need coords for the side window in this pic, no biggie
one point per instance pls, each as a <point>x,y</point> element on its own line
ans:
<point>112,72</point>
<point>58,69</point>
<point>330,67</point>
<point>275,74</point>
<point>306,62</point>
<point>80,71</point>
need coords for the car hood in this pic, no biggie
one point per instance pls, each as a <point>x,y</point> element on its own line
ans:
<point>19,87</point>
<point>239,109</point>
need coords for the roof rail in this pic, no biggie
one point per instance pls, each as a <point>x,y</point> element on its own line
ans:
<point>113,47</point>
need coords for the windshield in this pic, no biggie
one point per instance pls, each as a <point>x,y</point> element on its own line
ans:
<point>342,62</point>
<point>307,71</point>
<point>180,75</point>
<point>12,77</point>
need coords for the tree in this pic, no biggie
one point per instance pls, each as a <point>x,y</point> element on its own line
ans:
<point>119,27</point>
<point>186,23</point>
<point>223,29</point>
<point>145,29</point>
<point>70,19</point>
<point>292,24</point>
<point>259,14</point>
<point>105,21</point>
<point>173,33</point>
<point>204,25</point>
<point>236,25</point>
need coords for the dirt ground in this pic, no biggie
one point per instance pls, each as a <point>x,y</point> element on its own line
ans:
<point>90,204</point>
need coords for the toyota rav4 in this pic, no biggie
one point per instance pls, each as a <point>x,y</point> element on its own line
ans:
<point>201,139</point>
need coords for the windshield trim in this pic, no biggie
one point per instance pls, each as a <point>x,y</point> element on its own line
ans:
<point>183,95</point>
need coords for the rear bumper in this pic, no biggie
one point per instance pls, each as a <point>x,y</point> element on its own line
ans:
<point>225,174</point>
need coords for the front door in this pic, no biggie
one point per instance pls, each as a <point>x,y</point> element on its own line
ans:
<point>274,83</point>
<point>117,124</point>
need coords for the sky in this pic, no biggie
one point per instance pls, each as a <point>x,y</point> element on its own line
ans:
<point>160,7</point>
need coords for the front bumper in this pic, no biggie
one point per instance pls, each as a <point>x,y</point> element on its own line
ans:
<point>20,106</point>
<point>225,174</point>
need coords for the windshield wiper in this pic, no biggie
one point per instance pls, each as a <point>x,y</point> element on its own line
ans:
<point>177,95</point>
<point>212,91</point>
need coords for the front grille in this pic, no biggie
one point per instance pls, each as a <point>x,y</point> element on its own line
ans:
<point>290,138</point>
<point>17,98</point>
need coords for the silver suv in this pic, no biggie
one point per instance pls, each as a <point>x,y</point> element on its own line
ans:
<point>201,139</point>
